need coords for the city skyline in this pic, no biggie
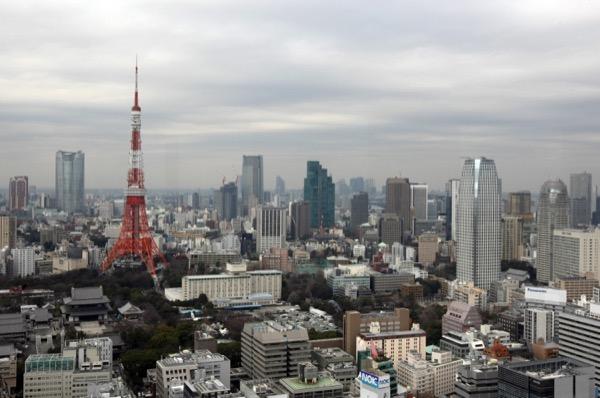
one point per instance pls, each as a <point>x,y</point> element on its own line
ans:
<point>387,88</point>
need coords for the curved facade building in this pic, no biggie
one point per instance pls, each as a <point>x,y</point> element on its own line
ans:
<point>552,213</point>
<point>69,181</point>
<point>479,238</point>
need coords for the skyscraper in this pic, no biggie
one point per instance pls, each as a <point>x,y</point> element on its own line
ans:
<point>452,188</point>
<point>512,238</point>
<point>479,236</point>
<point>398,200</point>
<point>300,220</point>
<point>357,184</point>
<point>419,195</point>
<point>252,182</point>
<point>279,185</point>
<point>552,213</point>
<point>581,199</point>
<point>359,210</point>
<point>390,228</point>
<point>69,183</point>
<point>8,232</point>
<point>18,193</point>
<point>519,204</point>
<point>319,192</point>
<point>226,201</point>
<point>271,228</point>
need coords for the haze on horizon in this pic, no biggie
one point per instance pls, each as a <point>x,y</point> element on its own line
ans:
<point>372,89</point>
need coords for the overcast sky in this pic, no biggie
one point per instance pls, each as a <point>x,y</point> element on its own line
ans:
<point>372,88</point>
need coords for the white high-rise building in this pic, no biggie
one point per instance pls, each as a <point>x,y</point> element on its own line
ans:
<point>479,237</point>
<point>23,261</point>
<point>539,324</point>
<point>552,213</point>
<point>271,228</point>
<point>576,252</point>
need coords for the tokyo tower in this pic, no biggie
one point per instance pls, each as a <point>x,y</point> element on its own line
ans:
<point>135,239</point>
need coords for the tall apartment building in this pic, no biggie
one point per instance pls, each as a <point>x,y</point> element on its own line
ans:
<point>8,232</point>
<point>356,323</point>
<point>319,192</point>
<point>18,192</point>
<point>390,228</point>
<point>271,228</point>
<point>23,262</point>
<point>395,345</point>
<point>235,285</point>
<point>428,248</point>
<point>452,191</point>
<point>552,214</point>
<point>579,336</point>
<point>359,210</point>
<point>226,201</point>
<point>429,378</point>
<point>512,238</point>
<point>419,195</point>
<point>299,220</point>
<point>70,181</point>
<point>187,366</point>
<point>575,253</point>
<point>273,350</point>
<point>65,375</point>
<point>252,182</point>
<point>479,230</point>
<point>556,377</point>
<point>539,324</point>
<point>581,199</point>
<point>398,201</point>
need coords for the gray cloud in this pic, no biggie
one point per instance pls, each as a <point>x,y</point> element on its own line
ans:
<point>376,89</point>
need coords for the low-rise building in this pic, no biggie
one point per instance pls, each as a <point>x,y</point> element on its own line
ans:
<point>460,317</point>
<point>186,366</point>
<point>8,370</point>
<point>435,377</point>
<point>86,304</point>
<point>310,383</point>
<point>338,363</point>
<point>395,345</point>
<point>477,380</point>
<point>65,375</point>
<point>556,377</point>
<point>233,285</point>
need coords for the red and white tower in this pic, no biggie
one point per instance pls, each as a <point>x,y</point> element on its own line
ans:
<point>135,239</point>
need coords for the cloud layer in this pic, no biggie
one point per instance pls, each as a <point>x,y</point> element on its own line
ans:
<point>373,88</point>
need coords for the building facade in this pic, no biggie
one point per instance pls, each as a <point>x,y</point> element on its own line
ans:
<point>552,214</point>
<point>512,238</point>
<point>18,192</point>
<point>359,210</point>
<point>70,181</point>
<point>319,192</point>
<point>252,182</point>
<point>479,231</point>
<point>580,188</point>
<point>271,228</point>
<point>8,232</point>
<point>299,220</point>
<point>226,199</point>
<point>575,253</point>
<point>272,350</point>
<point>398,201</point>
